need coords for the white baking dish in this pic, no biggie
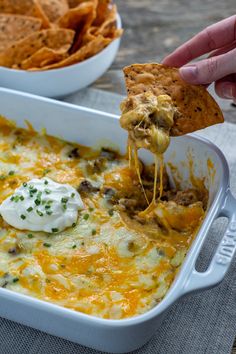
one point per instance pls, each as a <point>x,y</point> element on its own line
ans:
<point>89,127</point>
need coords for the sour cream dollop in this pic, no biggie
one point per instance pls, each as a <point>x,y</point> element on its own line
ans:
<point>42,205</point>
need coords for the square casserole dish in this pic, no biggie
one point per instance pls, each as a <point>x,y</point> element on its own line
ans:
<point>89,127</point>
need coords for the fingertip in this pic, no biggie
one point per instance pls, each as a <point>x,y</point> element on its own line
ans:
<point>225,90</point>
<point>189,74</point>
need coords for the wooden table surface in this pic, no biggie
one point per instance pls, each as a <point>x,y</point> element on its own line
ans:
<point>154,28</point>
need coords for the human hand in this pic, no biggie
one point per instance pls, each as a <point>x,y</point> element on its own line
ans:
<point>219,40</point>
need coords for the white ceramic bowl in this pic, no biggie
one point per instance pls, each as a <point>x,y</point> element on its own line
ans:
<point>62,81</point>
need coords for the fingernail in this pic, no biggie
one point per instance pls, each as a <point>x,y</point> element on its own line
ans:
<point>227,91</point>
<point>189,73</point>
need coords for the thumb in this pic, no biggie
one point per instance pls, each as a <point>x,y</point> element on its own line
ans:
<point>209,70</point>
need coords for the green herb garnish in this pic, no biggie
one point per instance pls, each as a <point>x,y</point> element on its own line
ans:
<point>37,201</point>
<point>94,232</point>
<point>45,182</point>
<point>54,229</point>
<point>39,212</point>
<point>74,246</point>
<point>111,212</point>
<point>30,235</point>
<point>47,244</point>
<point>11,173</point>
<point>86,216</point>
<point>64,200</point>
<point>72,195</point>
<point>15,280</point>
<point>24,184</point>
<point>29,209</point>
<point>23,217</point>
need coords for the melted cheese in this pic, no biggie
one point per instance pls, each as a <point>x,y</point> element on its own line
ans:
<point>148,120</point>
<point>108,265</point>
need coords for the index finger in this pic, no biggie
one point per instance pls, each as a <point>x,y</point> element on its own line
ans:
<point>212,37</point>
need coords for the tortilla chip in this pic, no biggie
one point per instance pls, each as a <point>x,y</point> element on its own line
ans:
<point>16,27</point>
<point>51,38</point>
<point>80,19</point>
<point>24,7</point>
<point>54,8</point>
<point>196,108</point>
<point>109,24</point>
<point>73,18</point>
<point>87,51</point>
<point>102,12</point>
<point>44,56</point>
<point>74,3</point>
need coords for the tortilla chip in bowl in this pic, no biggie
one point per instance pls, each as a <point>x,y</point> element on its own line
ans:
<point>67,55</point>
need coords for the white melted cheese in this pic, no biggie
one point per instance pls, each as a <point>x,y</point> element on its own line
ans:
<point>42,205</point>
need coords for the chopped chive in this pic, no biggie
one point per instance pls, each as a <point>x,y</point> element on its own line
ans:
<point>30,235</point>
<point>47,191</point>
<point>23,217</point>
<point>91,209</point>
<point>12,198</point>
<point>24,184</point>
<point>74,224</point>
<point>47,244</point>
<point>45,182</point>
<point>34,190</point>
<point>47,170</point>
<point>86,216</point>
<point>44,202</point>
<point>54,229</point>
<point>16,198</point>
<point>2,177</point>
<point>72,195</point>
<point>39,212</point>
<point>31,187</point>
<point>64,200</point>
<point>48,212</point>
<point>29,209</point>
<point>11,173</point>
<point>39,195</point>
<point>74,246</point>
<point>49,201</point>
<point>21,197</point>
<point>94,232</point>
<point>64,206</point>
<point>37,201</point>
<point>15,280</point>
<point>110,212</point>
<point>47,206</point>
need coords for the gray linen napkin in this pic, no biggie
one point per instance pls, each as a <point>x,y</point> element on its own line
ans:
<point>202,323</point>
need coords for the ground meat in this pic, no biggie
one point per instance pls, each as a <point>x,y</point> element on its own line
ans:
<point>108,154</point>
<point>96,166</point>
<point>147,176</point>
<point>14,250</point>
<point>74,153</point>
<point>132,205</point>
<point>187,197</point>
<point>87,187</point>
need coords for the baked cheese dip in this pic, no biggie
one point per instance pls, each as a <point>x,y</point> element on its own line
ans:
<point>73,231</point>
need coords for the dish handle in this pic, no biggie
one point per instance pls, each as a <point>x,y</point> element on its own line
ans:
<point>223,256</point>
